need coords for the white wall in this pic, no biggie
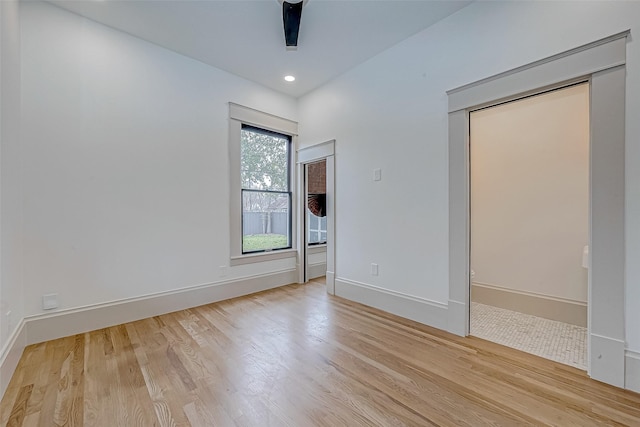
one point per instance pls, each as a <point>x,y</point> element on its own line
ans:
<point>391,113</point>
<point>125,163</point>
<point>10,174</point>
<point>11,287</point>
<point>530,194</point>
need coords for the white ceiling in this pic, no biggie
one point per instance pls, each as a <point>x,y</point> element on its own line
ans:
<point>246,37</point>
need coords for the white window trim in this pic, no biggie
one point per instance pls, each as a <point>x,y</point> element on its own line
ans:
<point>239,115</point>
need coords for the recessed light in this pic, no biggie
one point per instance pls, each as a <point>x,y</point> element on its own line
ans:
<point>289,78</point>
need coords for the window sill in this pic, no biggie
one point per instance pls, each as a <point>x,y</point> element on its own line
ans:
<point>262,257</point>
<point>316,249</point>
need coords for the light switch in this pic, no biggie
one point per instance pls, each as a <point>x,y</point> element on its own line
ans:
<point>377,174</point>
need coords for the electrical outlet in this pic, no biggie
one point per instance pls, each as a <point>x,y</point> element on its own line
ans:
<point>49,301</point>
<point>374,269</point>
<point>223,271</point>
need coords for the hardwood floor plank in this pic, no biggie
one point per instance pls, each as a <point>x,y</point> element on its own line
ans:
<point>19,410</point>
<point>131,388</point>
<point>99,380</point>
<point>37,374</point>
<point>295,356</point>
<point>58,351</point>
<point>160,406</point>
<point>166,396</point>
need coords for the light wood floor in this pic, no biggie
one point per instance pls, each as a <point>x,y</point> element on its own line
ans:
<point>296,356</point>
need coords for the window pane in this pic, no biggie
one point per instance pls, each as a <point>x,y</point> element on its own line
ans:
<point>264,161</point>
<point>317,228</point>
<point>265,221</point>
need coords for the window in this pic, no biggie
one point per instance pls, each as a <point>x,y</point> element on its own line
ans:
<point>317,229</point>
<point>262,226</point>
<point>266,190</point>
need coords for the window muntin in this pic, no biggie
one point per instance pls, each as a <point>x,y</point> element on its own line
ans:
<point>265,190</point>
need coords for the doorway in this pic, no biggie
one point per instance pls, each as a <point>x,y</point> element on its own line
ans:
<point>602,63</point>
<point>316,159</point>
<point>315,174</point>
<point>529,223</point>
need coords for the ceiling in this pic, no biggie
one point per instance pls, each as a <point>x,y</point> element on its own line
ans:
<point>246,38</point>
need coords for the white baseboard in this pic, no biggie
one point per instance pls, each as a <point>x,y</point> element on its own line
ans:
<point>60,324</point>
<point>607,360</point>
<point>330,278</point>
<point>548,307</point>
<point>11,354</point>
<point>632,371</point>
<point>421,310</point>
<point>317,270</point>
<point>457,318</point>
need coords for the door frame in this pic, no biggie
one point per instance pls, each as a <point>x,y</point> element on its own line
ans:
<point>305,156</point>
<point>602,63</point>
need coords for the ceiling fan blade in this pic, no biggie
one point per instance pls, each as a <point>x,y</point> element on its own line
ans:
<point>291,14</point>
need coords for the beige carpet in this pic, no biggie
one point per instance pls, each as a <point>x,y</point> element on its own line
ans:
<point>553,340</point>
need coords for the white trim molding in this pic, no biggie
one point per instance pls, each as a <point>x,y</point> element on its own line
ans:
<point>239,115</point>
<point>316,152</point>
<point>566,66</point>
<point>421,310</point>
<point>632,371</point>
<point>316,270</point>
<point>261,119</point>
<point>11,354</point>
<point>458,317</point>
<point>602,64</point>
<point>317,249</point>
<point>330,279</point>
<point>44,327</point>
<point>263,257</point>
<point>533,303</point>
<point>607,359</point>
